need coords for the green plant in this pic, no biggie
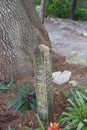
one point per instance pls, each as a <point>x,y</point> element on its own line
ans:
<point>40,123</point>
<point>76,115</point>
<point>37,2</point>
<point>58,8</point>
<point>62,8</point>
<point>80,13</point>
<point>25,100</point>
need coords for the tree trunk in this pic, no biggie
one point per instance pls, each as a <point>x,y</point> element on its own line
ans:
<point>20,33</point>
<point>72,13</point>
<point>42,10</point>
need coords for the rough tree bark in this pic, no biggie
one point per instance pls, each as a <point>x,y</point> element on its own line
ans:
<point>42,10</point>
<point>20,32</point>
<point>72,13</point>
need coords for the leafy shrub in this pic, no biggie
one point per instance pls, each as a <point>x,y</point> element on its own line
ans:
<point>58,8</point>
<point>61,9</point>
<point>81,14</point>
<point>37,2</point>
<point>26,99</point>
<point>76,115</point>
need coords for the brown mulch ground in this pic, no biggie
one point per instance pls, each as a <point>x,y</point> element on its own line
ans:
<point>7,117</point>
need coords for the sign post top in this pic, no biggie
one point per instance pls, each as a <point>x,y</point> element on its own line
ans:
<point>42,48</point>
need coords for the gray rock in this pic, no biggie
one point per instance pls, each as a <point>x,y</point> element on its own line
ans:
<point>65,26</point>
<point>85,34</point>
<point>81,32</point>
<point>52,19</point>
<point>76,58</point>
<point>55,22</point>
<point>61,77</point>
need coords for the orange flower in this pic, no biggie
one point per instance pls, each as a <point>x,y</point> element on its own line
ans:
<point>53,126</point>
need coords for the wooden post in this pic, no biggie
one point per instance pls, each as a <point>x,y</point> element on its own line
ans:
<point>43,83</point>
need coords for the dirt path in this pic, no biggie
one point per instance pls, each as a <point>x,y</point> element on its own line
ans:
<point>67,35</point>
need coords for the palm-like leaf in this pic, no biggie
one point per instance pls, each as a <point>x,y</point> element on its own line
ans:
<point>76,114</point>
<point>26,99</point>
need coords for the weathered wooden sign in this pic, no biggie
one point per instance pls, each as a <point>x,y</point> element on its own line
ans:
<point>43,82</point>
